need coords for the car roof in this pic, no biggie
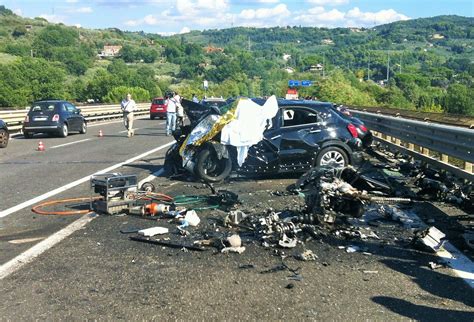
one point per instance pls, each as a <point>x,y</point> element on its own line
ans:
<point>50,101</point>
<point>285,102</point>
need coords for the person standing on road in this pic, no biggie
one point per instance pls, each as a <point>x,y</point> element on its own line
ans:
<point>195,98</point>
<point>128,107</point>
<point>171,116</point>
<point>179,110</point>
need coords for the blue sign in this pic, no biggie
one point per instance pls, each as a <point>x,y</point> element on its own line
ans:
<point>293,83</point>
<point>306,83</point>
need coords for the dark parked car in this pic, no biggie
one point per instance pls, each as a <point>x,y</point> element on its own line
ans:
<point>158,108</point>
<point>303,134</point>
<point>4,134</point>
<point>54,117</point>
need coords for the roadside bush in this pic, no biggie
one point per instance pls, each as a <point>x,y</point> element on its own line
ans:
<point>117,94</point>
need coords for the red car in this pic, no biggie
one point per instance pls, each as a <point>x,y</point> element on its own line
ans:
<point>158,108</point>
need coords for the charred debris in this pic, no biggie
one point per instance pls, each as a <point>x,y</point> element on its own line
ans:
<point>342,203</point>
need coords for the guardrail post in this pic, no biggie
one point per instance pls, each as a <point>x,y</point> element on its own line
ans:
<point>411,146</point>
<point>398,142</point>
<point>468,167</point>
<point>425,151</point>
<point>444,158</point>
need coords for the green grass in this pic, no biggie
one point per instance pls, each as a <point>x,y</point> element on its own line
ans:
<point>7,58</point>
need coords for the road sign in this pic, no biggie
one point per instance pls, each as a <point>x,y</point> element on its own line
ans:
<point>205,84</point>
<point>306,83</point>
<point>293,83</point>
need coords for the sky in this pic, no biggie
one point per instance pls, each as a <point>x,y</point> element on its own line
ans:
<point>168,17</point>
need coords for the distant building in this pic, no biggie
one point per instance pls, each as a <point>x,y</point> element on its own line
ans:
<point>289,70</point>
<point>286,57</point>
<point>28,27</point>
<point>211,49</point>
<point>316,68</point>
<point>437,36</point>
<point>327,42</point>
<point>110,51</point>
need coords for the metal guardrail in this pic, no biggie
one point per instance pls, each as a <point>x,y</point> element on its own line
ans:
<point>448,119</point>
<point>93,113</point>
<point>448,141</point>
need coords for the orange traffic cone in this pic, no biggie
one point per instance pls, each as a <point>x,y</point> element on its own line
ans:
<point>40,146</point>
<point>101,134</point>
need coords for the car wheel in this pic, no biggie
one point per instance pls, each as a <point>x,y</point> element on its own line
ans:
<point>152,117</point>
<point>4,137</point>
<point>84,128</point>
<point>333,157</point>
<point>210,168</point>
<point>64,131</point>
<point>28,135</point>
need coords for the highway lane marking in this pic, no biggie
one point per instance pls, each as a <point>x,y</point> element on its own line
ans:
<point>151,177</point>
<point>461,265</point>
<point>29,255</point>
<point>25,240</point>
<point>68,186</point>
<point>70,143</point>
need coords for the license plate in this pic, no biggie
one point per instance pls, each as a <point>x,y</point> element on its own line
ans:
<point>41,118</point>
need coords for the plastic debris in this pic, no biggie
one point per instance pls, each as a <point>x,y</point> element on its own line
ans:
<point>238,250</point>
<point>307,255</point>
<point>431,238</point>
<point>150,232</point>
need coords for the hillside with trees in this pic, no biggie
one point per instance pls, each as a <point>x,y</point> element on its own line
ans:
<point>424,64</point>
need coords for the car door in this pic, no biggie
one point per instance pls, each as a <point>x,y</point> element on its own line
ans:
<point>298,138</point>
<point>73,116</point>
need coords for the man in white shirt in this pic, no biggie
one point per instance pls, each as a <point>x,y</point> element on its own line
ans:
<point>128,106</point>
<point>179,110</point>
<point>171,116</point>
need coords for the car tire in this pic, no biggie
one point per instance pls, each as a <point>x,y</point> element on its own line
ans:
<point>4,137</point>
<point>64,131</point>
<point>28,135</point>
<point>332,156</point>
<point>83,128</point>
<point>210,168</point>
<point>152,117</point>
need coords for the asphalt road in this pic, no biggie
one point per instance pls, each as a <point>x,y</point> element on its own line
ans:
<point>98,273</point>
<point>26,173</point>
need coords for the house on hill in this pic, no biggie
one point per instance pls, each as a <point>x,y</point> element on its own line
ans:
<point>110,51</point>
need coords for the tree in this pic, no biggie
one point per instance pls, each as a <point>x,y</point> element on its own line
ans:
<point>459,100</point>
<point>117,94</point>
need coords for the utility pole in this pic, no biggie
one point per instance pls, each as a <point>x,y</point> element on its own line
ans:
<point>324,65</point>
<point>249,44</point>
<point>388,66</point>
<point>368,69</point>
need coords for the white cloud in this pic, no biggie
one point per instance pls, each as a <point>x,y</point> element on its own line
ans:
<point>204,7</point>
<point>370,18</point>
<point>328,2</point>
<point>18,12</point>
<point>185,30</point>
<point>53,18</point>
<point>278,12</point>
<point>71,1</point>
<point>80,10</point>
<point>148,20</point>
<point>320,17</point>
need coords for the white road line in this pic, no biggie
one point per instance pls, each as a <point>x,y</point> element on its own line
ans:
<point>44,196</point>
<point>151,177</point>
<point>70,143</point>
<point>459,263</point>
<point>29,255</point>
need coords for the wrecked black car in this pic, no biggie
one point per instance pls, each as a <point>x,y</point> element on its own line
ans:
<point>257,136</point>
